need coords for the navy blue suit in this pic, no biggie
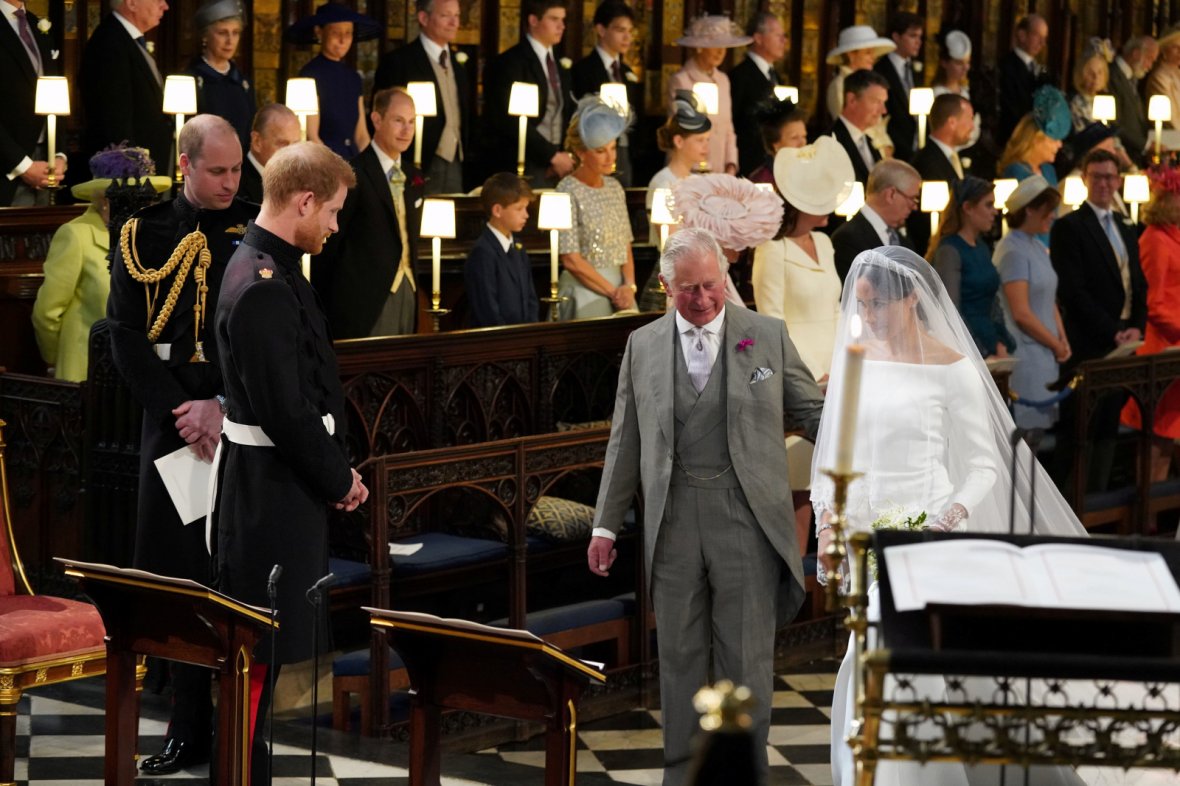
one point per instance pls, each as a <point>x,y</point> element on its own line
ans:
<point>499,283</point>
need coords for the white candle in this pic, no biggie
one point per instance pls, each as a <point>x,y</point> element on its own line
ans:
<point>51,135</point>
<point>520,143</point>
<point>302,127</point>
<point>418,147</point>
<point>850,399</point>
<point>553,269</point>
<point>663,237</point>
<point>179,126</point>
<point>435,270</point>
<point>934,224</point>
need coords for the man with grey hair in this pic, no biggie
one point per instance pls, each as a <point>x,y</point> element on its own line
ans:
<point>122,90</point>
<point>275,127</point>
<point>703,396</point>
<point>752,81</point>
<point>1128,69</point>
<point>892,193</point>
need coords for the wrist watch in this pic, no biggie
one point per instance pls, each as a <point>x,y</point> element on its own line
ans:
<point>221,402</point>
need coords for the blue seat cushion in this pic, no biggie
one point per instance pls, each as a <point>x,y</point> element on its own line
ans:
<point>441,551</point>
<point>349,573</point>
<point>1104,500</point>
<point>575,615</point>
<point>356,664</point>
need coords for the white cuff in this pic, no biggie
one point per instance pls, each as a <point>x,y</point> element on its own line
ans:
<point>20,168</point>
<point>602,532</point>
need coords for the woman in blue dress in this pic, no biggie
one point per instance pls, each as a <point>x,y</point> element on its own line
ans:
<point>222,89</point>
<point>1036,140</point>
<point>1030,299</point>
<point>964,263</point>
<point>341,122</point>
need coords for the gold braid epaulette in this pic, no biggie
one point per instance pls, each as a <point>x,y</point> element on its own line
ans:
<point>192,246</point>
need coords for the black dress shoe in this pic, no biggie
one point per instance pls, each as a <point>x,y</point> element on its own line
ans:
<point>176,755</point>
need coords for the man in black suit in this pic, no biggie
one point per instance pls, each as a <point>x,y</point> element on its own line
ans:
<point>892,193</point>
<point>365,275</point>
<point>614,25</point>
<point>1128,69</point>
<point>26,53</point>
<point>122,90</point>
<point>275,127</point>
<point>1021,74</point>
<point>898,69</point>
<point>497,276</point>
<point>865,93</point>
<point>1103,298</point>
<point>532,60</point>
<point>952,120</point>
<point>428,58</point>
<point>752,81</point>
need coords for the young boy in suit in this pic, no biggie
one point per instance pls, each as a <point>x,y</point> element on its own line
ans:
<point>497,275</point>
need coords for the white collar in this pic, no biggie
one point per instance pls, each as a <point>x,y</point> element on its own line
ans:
<point>131,29</point>
<point>760,61</point>
<point>1126,69</point>
<point>899,62</point>
<point>1101,212</point>
<point>505,240</point>
<point>877,222</point>
<point>250,157</point>
<point>387,161</point>
<point>432,49</point>
<point>853,130</point>
<point>608,60</point>
<point>10,10</point>
<point>540,51</point>
<point>714,326</point>
<point>1024,56</point>
<point>947,150</point>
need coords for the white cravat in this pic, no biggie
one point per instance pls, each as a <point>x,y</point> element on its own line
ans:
<point>700,346</point>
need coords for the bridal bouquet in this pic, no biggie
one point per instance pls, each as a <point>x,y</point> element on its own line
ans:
<point>895,518</point>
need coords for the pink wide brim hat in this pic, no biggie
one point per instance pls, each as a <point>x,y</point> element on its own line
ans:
<point>736,212</point>
<point>712,32</point>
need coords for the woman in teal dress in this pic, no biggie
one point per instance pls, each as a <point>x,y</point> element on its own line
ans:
<point>964,263</point>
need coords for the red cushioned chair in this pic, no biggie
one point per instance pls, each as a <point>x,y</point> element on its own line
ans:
<point>43,639</point>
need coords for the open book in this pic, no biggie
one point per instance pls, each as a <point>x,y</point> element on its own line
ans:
<point>1124,350</point>
<point>1049,575</point>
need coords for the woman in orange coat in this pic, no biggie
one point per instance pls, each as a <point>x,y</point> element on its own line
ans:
<point>1159,255</point>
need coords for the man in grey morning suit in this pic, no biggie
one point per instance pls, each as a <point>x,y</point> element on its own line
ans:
<point>699,421</point>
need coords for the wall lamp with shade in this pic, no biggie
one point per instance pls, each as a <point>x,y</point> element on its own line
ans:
<point>555,213</point>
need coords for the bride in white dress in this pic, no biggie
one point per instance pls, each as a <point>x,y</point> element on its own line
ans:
<point>933,437</point>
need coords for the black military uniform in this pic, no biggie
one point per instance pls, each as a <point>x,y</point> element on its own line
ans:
<point>282,457</point>
<point>158,350</point>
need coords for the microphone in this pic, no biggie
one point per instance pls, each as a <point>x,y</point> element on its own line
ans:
<point>1015,437</point>
<point>272,583</point>
<point>313,593</point>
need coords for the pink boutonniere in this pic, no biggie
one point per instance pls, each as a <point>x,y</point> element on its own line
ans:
<point>745,344</point>
<point>417,182</point>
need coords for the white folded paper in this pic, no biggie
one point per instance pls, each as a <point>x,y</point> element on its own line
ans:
<point>186,479</point>
<point>404,549</point>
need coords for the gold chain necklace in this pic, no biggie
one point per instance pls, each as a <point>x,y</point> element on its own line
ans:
<point>193,246</point>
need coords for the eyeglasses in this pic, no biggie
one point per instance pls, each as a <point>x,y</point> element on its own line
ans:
<point>1098,176</point>
<point>913,200</point>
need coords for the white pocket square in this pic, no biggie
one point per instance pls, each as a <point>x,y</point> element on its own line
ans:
<point>760,375</point>
<point>417,204</point>
<point>53,53</point>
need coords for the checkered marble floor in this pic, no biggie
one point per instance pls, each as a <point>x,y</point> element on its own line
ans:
<point>59,741</point>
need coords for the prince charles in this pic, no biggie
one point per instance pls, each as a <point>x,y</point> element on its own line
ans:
<point>704,394</point>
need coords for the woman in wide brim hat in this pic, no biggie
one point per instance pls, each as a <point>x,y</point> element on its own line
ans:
<point>795,277</point>
<point>340,123</point>
<point>77,281</point>
<point>708,38</point>
<point>1164,78</point>
<point>222,89</point>
<point>857,48</point>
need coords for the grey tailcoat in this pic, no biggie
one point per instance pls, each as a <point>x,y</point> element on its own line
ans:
<point>643,432</point>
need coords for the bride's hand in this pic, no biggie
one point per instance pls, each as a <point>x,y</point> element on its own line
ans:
<point>826,537</point>
<point>950,519</point>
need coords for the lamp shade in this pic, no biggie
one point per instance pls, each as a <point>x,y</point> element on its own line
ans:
<point>524,100</point>
<point>706,93</point>
<point>855,201</point>
<point>425,103</point>
<point>556,211</point>
<point>1104,110</point>
<point>438,218</point>
<point>53,96</point>
<point>301,96</point>
<point>615,94</point>
<point>1074,191</point>
<point>660,212</point>
<point>936,195</point>
<point>180,95</point>
<point>785,93</point>
<point>1159,107</point>
<point>1004,188</point>
<point>1136,189</point>
<point>921,99</point>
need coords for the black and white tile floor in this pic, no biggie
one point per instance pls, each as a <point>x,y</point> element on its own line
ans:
<point>59,741</point>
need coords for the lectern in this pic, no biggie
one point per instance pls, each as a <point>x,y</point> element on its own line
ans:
<point>173,619</point>
<point>460,665</point>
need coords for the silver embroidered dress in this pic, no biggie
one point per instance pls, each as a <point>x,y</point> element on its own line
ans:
<point>602,234</point>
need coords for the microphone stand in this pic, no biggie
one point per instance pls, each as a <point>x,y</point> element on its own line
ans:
<point>315,596</point>
<point>272,590</point>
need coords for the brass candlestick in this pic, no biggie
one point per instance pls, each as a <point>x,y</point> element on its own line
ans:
<point>837,550</point>
<point>554,300</point>
<point>436,313</point>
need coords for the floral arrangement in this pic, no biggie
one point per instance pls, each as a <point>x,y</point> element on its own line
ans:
<point>119,162</point>
<point>895,519</point>
<point>745,344</point>
<point>1164,179</point>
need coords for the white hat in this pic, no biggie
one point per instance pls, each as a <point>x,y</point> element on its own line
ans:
<point>1028,189</point>
<point>815,179</point>
<point>957,45</point>
<point>859,37</point>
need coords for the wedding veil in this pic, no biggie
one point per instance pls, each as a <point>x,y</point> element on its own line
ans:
<point>967,444</point>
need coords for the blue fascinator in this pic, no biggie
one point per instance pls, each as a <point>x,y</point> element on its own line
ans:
<point>599,123</point>
<point>1051,112</point>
